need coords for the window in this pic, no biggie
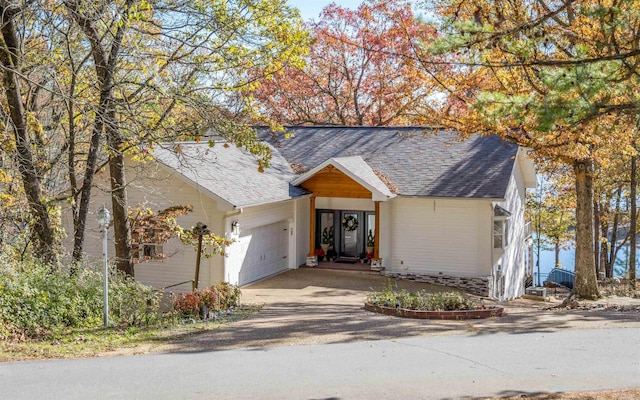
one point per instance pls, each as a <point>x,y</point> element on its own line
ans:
<point>150,249</point>
<point>500,227</point>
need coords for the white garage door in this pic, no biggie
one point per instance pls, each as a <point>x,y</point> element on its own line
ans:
<point>265,250</point>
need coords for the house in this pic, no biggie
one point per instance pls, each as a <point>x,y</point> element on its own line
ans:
<point>438,209</point>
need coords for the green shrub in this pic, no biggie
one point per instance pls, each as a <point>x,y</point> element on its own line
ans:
<point>390,296</point>
<point>220,297</point>
<point>36,299</point>
<point>132,303</point>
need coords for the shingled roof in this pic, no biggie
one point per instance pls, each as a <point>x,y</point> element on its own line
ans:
<point>416,161</point>
<point>230,173</point>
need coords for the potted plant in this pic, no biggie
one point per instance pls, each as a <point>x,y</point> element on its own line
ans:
<point>324,243</point>
<point>370,241</point>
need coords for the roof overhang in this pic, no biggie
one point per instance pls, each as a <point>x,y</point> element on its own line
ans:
<point>527,167</point>
<point>357,169</point>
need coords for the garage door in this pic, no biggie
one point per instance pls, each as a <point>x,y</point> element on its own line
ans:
<point>265,250</point>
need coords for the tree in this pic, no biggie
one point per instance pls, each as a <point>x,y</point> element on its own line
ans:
<point>87,83</point>
<point>27,131</point>
<point>552,212</point>
<point>554,76</point>
<point>198,50</point>
<point>158,227</point>
<point>352,75</point>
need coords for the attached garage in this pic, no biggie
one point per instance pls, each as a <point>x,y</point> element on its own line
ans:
<point>262,251</point>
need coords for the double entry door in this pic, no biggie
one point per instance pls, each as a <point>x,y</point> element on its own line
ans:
<point>345,231</point>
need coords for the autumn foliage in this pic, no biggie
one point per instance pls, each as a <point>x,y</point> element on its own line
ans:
<point>558,77</point>
<point>215,298</point>
<point>357,71</point>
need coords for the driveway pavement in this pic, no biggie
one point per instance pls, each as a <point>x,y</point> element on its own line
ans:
<point>314,306</point>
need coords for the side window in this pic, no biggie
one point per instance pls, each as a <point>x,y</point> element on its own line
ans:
<point>147,246</point>
<point>500,227</point>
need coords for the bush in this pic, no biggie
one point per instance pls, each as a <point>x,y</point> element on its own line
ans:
<point>389,296</point>
<point>220,297</point>
<point>37,300</point>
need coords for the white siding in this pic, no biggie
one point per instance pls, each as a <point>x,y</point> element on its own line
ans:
<point>433,236</point>
<point>512,259</point>
<point>339,203</point>
<point>384,240</point>
<point>263,215</point>
<point>153,186</point>
<point>301,231</point>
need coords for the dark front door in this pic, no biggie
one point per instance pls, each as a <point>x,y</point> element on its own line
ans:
<point>343,233</point>
<point>351,225</point>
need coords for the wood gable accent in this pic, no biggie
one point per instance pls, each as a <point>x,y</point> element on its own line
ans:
<point>331,182</point>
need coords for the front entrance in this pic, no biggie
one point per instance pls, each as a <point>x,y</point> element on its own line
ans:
<point>344,233</point>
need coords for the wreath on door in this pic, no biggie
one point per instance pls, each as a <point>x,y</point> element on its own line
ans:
<point>350,223</point>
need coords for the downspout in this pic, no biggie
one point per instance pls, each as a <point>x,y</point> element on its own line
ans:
<point>228,235</point>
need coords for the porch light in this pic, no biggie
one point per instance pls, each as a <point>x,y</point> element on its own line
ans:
<point>235,227</point>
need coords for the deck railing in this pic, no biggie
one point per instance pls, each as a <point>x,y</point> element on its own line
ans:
<point>562,277</point>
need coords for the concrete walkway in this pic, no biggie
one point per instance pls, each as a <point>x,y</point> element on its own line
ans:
<point>313,306</point>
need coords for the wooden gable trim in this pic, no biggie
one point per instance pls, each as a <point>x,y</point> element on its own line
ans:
<point>331,182</point>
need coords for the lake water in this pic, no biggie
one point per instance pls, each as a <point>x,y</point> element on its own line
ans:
<point>568,259</point>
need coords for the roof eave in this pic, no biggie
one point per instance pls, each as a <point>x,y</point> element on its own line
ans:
<point>527,168</point>
<point>304,196</point>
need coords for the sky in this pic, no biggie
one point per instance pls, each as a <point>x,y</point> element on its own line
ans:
<point>310,9</point>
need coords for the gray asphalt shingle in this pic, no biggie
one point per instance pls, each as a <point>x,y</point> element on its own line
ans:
<point>418,161</point>
<point>231,173</point>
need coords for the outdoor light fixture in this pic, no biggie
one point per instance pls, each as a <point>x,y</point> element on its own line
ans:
<point>235,227</point>
<point>104,218</point>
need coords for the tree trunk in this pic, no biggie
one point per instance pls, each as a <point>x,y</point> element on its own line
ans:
<point>106,118</point>
<point>632,224</point>
<point>45,242</point>
<point>82,210</point>
<point>596,235</point>
<point>586,285</point>
<point>119,203</point>
<point>557,254</point>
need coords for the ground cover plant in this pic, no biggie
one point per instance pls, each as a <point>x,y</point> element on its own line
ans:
<point>390,296</point>
<point>116,340</point>
<point>38,300</point>
<point>47,311</point>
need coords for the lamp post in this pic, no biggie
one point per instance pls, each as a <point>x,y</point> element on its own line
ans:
<point>104,218</point>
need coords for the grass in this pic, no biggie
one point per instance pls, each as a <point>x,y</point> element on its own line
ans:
<point>114,340</point>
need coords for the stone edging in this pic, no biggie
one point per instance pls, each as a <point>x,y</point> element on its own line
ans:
<point>449,315</point>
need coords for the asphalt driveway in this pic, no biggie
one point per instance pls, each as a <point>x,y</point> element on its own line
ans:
<point>313,306</point>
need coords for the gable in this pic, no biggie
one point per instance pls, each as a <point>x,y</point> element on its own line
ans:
<point>353,169</point>
<point>331,182</point>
